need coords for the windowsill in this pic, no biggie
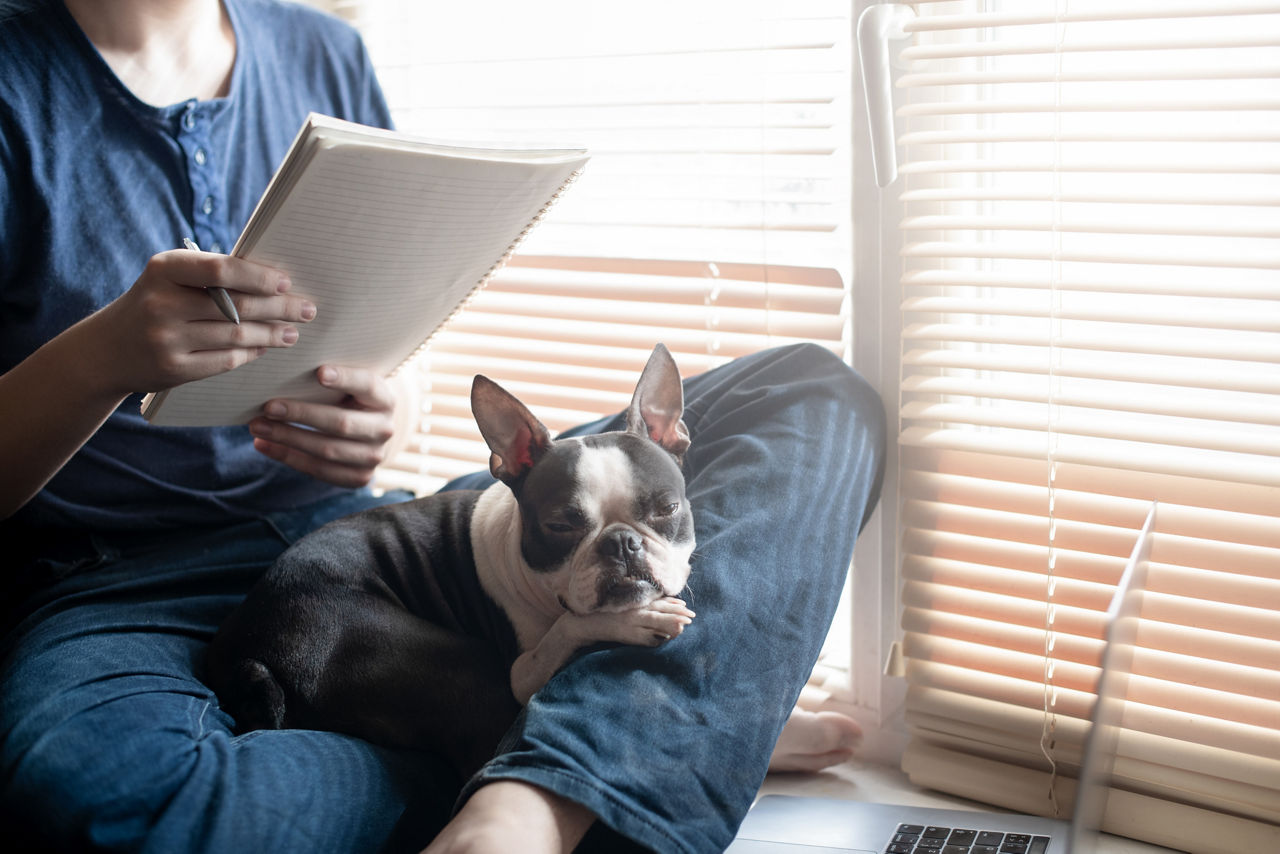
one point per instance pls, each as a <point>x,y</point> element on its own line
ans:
<point>859,780</point>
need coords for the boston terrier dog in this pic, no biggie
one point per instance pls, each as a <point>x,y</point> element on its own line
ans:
<point>427,624</point>
<point>423,624</point>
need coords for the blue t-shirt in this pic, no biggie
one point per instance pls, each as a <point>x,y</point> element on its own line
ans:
<point>93,182</point>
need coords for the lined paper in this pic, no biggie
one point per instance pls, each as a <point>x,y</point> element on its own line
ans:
<point>389,239</point>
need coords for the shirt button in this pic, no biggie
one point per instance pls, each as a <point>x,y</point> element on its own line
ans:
<point>201,157</point>
<point>207,205</point>
<point>189,118</point>
<point>215,247</point>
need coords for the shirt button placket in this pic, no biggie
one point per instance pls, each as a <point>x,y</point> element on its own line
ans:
<point>194,139</point>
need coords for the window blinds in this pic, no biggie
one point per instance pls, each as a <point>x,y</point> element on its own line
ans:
<point>714,215</point>
<point>1091,320</point>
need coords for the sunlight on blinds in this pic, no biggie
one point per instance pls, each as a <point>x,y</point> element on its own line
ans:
<point>714,215</point>
<point>1091,320</point>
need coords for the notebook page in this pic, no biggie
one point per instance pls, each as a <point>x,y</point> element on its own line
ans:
<point>341,130</point>
<point>387,243</point>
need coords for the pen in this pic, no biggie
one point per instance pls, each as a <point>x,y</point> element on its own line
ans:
<point>220,296</point>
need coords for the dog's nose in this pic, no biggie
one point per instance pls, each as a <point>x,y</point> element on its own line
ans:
<point>621,545</point>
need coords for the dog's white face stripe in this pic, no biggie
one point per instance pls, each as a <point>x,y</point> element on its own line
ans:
<point>605,480</point>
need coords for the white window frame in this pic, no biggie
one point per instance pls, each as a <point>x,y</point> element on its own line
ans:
<point>877,694</point>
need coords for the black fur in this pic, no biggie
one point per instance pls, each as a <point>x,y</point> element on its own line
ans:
<point>375,625</point>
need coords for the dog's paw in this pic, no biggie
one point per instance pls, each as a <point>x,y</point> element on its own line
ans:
<point>653,624</point>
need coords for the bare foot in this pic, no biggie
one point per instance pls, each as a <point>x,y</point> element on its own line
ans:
<point>811,741</point>
<point>508,815</point>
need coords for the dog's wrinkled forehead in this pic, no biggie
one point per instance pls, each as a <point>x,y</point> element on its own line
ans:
<point>579,487</point>
<point>606,473</point>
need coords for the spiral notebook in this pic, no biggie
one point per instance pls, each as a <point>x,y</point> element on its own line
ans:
<point>389,235</point>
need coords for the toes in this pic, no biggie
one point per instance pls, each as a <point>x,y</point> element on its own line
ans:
<point>808,763</point>
<point>671,605</point>
<point>811,741</point>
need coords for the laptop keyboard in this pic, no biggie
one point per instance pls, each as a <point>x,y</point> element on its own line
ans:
<point>921,839</point>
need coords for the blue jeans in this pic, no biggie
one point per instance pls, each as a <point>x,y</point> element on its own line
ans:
<point>109,738</point>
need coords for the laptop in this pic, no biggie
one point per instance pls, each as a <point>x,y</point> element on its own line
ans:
<point>783,824</point>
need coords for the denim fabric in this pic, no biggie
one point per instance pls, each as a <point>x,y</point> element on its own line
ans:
<point>669,746</point>
<point>108,737</point>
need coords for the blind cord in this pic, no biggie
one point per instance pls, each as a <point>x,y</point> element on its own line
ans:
<point>1048,736</point>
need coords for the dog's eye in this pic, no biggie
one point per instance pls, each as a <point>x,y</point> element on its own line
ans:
<point>669,509</point>
<point>566,519</point>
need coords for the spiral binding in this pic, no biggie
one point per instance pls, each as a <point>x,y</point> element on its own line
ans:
<point>492,271</point>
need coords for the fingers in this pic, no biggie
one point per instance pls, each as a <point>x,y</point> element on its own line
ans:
<point>176,321</point>
<point>166,330</point>
<point>197,269</point>
<point>259,293</point>
<point>366,388</point>
<point>349,420</point>
<point>353,432</point>
<point>357,439</point>
<point>343,443</point>
<point>285,308</point>
<point>221,334</point>
<point>317,462</point>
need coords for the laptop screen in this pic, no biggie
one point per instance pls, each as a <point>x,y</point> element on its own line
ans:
<point>1113,682</point>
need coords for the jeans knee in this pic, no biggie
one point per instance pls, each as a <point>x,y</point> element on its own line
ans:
<point>853,409</point>
<point>83,781</point>
<point>867,411</point>
<point>859,404</point>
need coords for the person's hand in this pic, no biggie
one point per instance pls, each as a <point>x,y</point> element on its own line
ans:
<point>339,443</point>
<point>165,330</point>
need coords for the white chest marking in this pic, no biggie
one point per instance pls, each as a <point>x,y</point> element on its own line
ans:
<point>503,574</point>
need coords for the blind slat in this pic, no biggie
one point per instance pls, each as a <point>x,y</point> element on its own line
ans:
<point>1115,11</point>
<point>1262,410</point>
<point>1144,282</point>
<point>1154,373</point>
<point>954,107</point>
<point>1050,47</point>
<point>1117,225</point>
<point>1154,72</point>
<point>1098,425</point>
<point>1116,456</point>
<point>1261,317</point>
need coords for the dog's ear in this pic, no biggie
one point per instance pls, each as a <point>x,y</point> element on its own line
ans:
<point>658,403</point>
<point>515,437</point>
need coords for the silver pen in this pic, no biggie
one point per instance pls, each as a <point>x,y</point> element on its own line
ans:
<point>221,298</point>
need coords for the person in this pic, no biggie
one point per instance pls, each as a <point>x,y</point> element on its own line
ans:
<point>126,126</point>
